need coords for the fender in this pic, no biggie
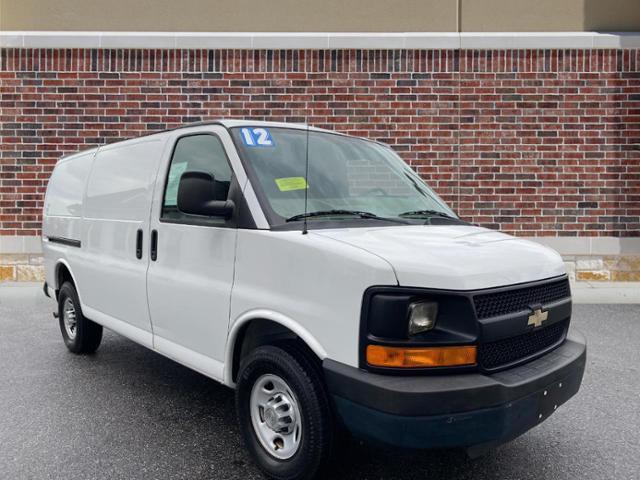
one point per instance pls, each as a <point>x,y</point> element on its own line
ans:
<point>63,261</point>
<point>276,317</point>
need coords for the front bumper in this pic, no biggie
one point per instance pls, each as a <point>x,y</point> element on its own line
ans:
<point>464,410</point>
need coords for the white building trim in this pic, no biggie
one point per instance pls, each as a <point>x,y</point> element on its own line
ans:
<point>311,40</point>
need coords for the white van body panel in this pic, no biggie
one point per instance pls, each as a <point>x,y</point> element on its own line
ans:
<point>312,279</point>
<point>264,314</point>
<point>189,284</point>
<point>132,332</point>
<point>203,364</point>
<point>117,203</point>
<point>68,183</point>
<point>63,206</point>
<point>455,257</point>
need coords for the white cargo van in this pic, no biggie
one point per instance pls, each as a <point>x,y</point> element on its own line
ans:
<point>320,277</point>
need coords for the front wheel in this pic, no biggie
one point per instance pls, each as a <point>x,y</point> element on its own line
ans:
<point>284,413</point>
<point>80,334</point>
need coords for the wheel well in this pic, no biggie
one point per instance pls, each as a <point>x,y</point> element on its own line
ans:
<point>62,275</point>
<point>264,332</point>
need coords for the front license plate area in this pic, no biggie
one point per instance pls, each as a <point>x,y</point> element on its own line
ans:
<point>555,394</point>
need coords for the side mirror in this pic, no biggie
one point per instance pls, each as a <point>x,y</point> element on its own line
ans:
<point>197,196</point>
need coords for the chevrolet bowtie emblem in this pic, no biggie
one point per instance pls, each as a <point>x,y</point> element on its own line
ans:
<point>537,317</point>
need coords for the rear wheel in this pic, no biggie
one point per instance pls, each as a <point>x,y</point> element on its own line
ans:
<point>284,413</point>
<point>80,334</point>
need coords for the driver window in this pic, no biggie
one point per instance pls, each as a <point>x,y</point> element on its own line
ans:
<point>202,153</point>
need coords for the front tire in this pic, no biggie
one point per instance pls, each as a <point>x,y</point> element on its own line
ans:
<point>80,334</point>
<point>284,413</point>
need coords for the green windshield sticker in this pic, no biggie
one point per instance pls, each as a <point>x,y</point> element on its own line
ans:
<point>175,172</point>
<point>291,183</point>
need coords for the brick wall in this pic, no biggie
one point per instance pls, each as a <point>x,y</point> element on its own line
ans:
<point>533,142</point>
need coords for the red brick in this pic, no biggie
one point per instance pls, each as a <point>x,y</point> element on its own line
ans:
<point>530,141</point>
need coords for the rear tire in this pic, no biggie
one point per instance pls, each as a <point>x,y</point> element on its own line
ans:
<point>284,413</point>
<point>80,334</point>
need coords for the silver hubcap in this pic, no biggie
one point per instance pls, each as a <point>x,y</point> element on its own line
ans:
<point>69,318</point>
<point>275,416</point>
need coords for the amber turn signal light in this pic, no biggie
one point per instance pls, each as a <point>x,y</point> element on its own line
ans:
<point>398,357</point>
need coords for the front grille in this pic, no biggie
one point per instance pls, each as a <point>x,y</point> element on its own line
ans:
<point>511,301</point>
<point>507,351</point>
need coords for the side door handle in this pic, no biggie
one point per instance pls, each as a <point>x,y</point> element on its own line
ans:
<point>139,244</point>
<point>154,245</point>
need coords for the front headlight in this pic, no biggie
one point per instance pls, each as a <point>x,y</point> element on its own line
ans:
<point>422,317</point>
<point>404,327</point>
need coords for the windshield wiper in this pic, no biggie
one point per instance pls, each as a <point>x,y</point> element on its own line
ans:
<point>426,213</point>
<point>328,213</point>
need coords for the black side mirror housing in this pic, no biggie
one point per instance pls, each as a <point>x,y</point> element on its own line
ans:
<point>196,196</point>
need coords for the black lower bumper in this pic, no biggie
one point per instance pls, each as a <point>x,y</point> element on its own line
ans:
<point>467,410</point>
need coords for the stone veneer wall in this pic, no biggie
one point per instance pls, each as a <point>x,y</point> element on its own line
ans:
<point>21,267</point>
<point>616,268</point>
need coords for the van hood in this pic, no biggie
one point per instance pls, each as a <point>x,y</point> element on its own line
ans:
<point>458,257</point>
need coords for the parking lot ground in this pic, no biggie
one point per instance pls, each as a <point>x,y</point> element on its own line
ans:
<point>129,413</point>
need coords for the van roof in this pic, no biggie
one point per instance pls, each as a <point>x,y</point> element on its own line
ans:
<point>231,123</point>
<point>227,123</point>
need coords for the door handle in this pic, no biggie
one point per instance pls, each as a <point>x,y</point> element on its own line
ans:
<point>139,244</point>
<point>154,245</point>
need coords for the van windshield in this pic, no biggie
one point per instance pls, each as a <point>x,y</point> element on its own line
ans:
<point>347,178</point>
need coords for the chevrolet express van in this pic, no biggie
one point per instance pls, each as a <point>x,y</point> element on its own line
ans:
<point>321,278</point>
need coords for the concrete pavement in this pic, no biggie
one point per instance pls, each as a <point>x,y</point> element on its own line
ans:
<point>606,292</point>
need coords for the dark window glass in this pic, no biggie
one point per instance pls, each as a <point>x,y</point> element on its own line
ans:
<point>344,173</point>
<point>201,153</point>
